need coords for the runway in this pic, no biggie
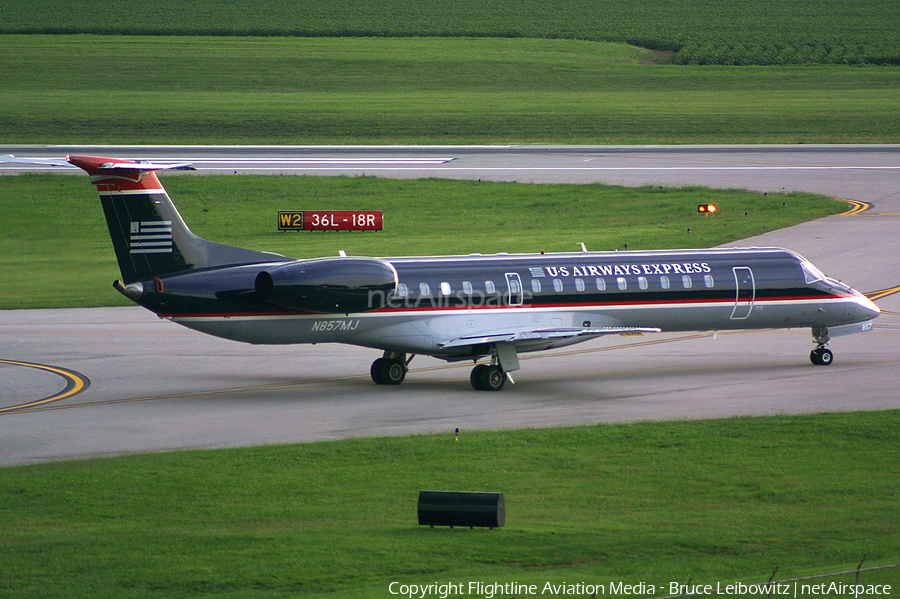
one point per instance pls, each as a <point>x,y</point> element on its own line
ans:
<point>78,383</point>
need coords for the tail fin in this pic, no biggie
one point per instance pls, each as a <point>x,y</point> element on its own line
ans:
<point>148,234</point>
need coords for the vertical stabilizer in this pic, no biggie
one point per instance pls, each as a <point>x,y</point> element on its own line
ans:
<point>148,234</point>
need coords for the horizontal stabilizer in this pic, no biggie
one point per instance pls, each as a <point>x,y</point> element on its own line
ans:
<point>97,164</point>
<point>149,166</point>
<point>10,159</point>
<point>93,165</point>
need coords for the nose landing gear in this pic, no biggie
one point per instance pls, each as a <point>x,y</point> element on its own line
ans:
<point>821,356</point>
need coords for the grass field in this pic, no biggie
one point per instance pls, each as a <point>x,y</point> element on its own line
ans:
<point>702,31</point>
<point>55,249</point>
<point>421,91</point>
<point>721,500</point>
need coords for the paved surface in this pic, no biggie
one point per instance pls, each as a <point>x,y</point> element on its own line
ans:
<point>130,382</point>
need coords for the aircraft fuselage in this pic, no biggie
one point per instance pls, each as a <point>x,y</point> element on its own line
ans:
<point>439,299</point>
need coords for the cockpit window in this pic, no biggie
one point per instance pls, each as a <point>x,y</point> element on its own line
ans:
<point>811,273</point>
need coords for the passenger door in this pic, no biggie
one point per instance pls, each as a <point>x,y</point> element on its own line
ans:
<point>514,284</point>
<point>745,292</point>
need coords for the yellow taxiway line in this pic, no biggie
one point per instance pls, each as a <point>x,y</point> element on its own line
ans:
<point>75,384</point>
<point>856,207</point>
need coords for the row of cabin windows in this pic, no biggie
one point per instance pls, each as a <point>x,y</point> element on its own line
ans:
<point>622,283</point>
<point>446,289</point>
<point>536,286</point>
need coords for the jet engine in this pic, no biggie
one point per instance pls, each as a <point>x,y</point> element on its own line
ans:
<point>331,285</point>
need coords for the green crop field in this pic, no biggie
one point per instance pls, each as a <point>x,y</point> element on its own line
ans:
<point>429,72</point>
<point>68,89</point>
<point>698,32</point>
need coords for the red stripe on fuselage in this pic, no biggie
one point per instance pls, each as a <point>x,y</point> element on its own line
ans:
<point>543,306</point>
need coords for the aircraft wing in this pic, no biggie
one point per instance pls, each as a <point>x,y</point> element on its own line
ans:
<point>561,336</point>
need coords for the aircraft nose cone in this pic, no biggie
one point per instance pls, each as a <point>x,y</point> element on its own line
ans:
<point>869,308</point>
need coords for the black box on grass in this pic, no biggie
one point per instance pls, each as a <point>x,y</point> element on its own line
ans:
<point>455,508</point>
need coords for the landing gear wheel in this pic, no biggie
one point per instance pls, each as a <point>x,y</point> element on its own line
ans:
<point>394,372</point>
<point>475,377</point>
<point>821,356</point>
<point>492,378</point>
<point>377,370</point>
<point>388,371</point>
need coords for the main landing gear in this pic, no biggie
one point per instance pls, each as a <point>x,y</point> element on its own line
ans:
<point>492,377</point>
<point>487,377</point>
<point>821,356</point>
<point>390,369</point>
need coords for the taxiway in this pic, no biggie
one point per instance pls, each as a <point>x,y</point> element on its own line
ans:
<point>150,385</point>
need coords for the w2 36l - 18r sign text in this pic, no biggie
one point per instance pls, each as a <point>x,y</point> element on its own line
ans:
<point>330,220</point>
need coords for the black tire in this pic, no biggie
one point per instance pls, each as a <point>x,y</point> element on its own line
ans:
<point>492,378</point>
<point>475,377</point>
<point>821,356</point>
<point>377,371</point>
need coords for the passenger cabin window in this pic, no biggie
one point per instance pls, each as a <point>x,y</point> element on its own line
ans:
<point>601,284</point>
<point>467,287</point>
<point>489,287</point>
<point>579,285</point>
<point>708,281</point>
<point>424,289</point>
<point>642,283</point>
<point>686,282</point>
<point>664,282</point>
<point>446,289</point>
<point>535,285</point>
<point>557,285</point>
<point>622,283</point>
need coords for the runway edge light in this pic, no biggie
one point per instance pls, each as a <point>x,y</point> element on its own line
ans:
<point>711,208</point>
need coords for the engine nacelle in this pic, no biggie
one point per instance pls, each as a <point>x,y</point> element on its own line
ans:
<point>331,285</point>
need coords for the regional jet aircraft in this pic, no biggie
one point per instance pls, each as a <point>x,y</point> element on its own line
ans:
<point>453,307</point>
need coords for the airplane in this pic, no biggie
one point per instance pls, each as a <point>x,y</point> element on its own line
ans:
<point>454,308</point>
